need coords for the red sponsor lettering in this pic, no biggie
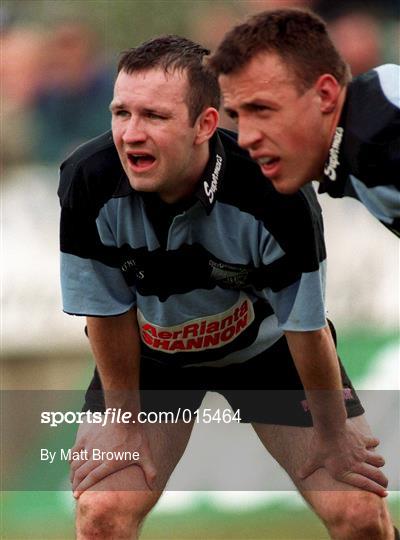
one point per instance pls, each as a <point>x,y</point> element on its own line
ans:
<point>211,339</point>
<point>178,344</point>
<point>191,330</point>
<point>161,344</point>
<point>150,329</point>
<point>226,322</point>
<point>213,327</point>
<point>244,308</point>
<point>165,335</point>
<point>194,343</point>
<point>241,324</point>
<point>147,338</point>
<point>228,333</point>
<point>211,332</point>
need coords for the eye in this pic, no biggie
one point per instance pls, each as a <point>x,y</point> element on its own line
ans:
<point>259,108</point>
<point>120,113</point>
<point>155,116</point>
<point>232,115</point>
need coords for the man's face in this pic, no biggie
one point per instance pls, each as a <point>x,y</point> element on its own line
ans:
<point>152,132</point>
<point>281,127</point>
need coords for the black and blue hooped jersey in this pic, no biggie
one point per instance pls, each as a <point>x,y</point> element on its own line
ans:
<point>215,281</point>
<point>364,158</point>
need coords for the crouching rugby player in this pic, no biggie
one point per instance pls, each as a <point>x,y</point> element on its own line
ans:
<point>303,118</point>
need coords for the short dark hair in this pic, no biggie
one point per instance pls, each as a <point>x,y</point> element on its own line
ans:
<point>299,37</point>
<point>177,53</point>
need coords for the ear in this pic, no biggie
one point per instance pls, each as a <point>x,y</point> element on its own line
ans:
<point>328,90</point>
<point>206,124</point>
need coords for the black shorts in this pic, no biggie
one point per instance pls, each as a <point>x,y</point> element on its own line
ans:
<point>265,389</point>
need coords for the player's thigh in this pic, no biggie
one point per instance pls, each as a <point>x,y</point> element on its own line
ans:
<point>126,490</point>
<point>290,445</point>
<point>330,498</point>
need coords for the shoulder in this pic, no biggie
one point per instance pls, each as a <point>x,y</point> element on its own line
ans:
<point>389,80</point>
<point>93,171</point>
<point>377,88</point>
<point>372,126</point>
<point>372,117</point>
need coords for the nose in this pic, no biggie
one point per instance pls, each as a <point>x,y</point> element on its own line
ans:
<point>134,131</point>
<point>249,135</point>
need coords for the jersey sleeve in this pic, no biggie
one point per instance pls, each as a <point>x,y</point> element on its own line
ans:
<point>389,79</point>
<point>294,265</point>
<point>92,283</point>
<point>301,306</point>
<point>374,177</point>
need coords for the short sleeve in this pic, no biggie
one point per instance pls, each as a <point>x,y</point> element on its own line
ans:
<point>92,282</point>
<point>293,275</point>
<point>301,306</point>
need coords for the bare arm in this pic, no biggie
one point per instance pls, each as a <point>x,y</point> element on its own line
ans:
<point>315,357</point>
<point>337,446</point>
<point>115,344</point>
<point>116,347</point>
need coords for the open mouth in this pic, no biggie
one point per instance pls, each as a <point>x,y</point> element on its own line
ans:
<point>267,161</point>
<point>269,165</point>
<point>141,162</point>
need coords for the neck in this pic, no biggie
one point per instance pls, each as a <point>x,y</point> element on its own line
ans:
<point>336,116</point>
<point>331,130</point>
<point>189,186</point>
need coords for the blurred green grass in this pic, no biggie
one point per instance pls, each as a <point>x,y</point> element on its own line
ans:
<point>43,519</point>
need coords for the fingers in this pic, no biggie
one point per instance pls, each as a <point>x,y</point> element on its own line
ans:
<point>374,459</point>
<point>372,473</point>
<point>87,474</point>
<point>366,483</point>
<point>81,472</point>
<point>77,451</point>
<point>364,475</point>
<point>95,475</point>
<point>372,442</point>
<point>75,464</point>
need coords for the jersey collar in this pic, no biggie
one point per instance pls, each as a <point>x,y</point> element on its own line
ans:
<point>335,168</point>
<point>211,179</point>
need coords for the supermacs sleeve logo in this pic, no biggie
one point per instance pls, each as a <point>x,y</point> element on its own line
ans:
<point>210,190</point>
<point>333,162</point>
<point>199,334</point>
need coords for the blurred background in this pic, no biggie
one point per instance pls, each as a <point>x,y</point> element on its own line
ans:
<point>58,61</point>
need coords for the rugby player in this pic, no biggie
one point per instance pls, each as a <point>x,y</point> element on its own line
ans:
<point>192,277</point>
<point>302,118</point>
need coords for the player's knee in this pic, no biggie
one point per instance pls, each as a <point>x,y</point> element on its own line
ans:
<point>107,514</point>
<point>358,516</point>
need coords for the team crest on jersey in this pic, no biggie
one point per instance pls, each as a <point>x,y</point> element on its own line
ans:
<point>229,276</point>
<point>199,334</point>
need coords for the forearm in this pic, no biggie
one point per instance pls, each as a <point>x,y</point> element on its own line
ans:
<point>316,361</point>
<point>115,344</point>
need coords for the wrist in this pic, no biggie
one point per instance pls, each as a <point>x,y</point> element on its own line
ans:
<point>123,400</point>
<point>330,428</point>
